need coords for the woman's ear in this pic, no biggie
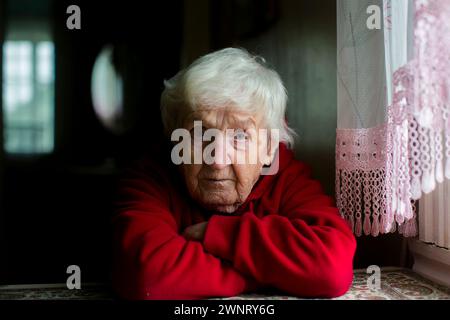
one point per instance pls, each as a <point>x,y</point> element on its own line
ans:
<point>271,147</point>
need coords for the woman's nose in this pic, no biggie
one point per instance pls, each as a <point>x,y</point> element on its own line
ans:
<point>222,153</point>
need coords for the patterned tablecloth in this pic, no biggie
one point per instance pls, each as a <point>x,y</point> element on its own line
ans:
<point>396,284</point>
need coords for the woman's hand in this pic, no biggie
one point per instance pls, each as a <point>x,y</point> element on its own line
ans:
<point>196,231</point>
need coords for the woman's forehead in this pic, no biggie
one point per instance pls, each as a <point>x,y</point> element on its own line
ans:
<point>234,117</point>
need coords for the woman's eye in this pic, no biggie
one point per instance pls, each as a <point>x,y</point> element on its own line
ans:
<point>240,136</point>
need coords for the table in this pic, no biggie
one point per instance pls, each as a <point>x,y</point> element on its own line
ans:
<point>396,284</point>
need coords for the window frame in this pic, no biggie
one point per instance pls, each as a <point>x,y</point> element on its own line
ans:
<point>18,29</point>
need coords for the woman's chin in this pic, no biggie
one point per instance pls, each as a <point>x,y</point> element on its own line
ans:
<point>227,209</point>
<point>223,208</point>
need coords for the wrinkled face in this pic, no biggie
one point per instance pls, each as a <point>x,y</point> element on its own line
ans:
<point>238,150</point>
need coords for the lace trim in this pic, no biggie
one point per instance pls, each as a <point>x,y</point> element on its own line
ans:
<point>365,167</point>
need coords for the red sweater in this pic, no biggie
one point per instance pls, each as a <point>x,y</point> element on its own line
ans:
<point>287,235</point>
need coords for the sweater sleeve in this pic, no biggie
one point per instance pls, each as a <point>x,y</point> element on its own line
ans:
<point>152,261</point>
<point>305,249</point>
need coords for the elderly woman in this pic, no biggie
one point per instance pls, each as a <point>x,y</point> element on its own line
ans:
<point>206,220</point>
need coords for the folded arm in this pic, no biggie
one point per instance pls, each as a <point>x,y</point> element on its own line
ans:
<point>153,261</point>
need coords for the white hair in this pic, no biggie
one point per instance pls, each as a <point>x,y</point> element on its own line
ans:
<point>228,77</point>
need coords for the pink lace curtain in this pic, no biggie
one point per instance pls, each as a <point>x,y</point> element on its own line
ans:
<point>393,133</point>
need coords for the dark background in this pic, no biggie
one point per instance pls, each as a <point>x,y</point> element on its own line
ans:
<point>55,210</point>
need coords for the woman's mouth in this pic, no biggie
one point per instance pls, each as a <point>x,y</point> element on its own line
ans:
<point>217,183</point>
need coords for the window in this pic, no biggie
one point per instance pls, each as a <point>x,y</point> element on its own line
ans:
<point>28,90</point>
<point>432,249</point>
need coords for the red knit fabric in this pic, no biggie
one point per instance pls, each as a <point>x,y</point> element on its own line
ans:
<point>288,235</point>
